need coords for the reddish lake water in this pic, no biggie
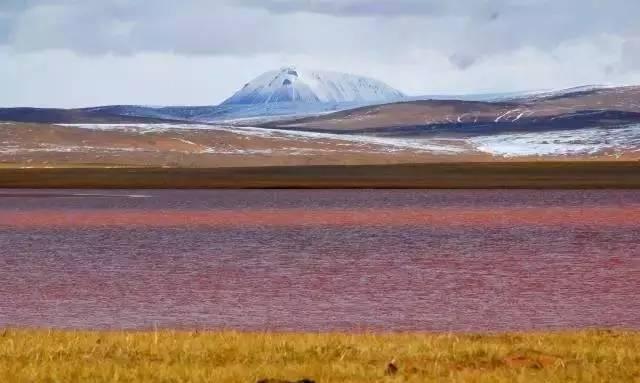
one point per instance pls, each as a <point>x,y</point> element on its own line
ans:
<point>320,260</point>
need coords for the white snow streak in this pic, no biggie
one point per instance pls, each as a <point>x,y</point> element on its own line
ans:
<point>505,114</point>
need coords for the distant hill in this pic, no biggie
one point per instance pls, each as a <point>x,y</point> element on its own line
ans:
<point>571,109</point>
<point>290,84</point>
<point>106,115</point>
<point>590,106</point>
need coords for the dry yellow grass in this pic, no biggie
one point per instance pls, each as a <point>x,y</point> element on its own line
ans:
<point>169,356</point>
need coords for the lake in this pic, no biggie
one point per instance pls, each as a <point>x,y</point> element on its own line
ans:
<point>320,260</point>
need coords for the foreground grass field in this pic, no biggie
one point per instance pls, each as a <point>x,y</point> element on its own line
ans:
<point>167,356</point>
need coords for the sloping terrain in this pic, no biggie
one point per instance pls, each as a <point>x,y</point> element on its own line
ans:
<point>190,145</point>
<point>605,107</point>
<point>586,123</point>
<point>105,115</point>
<point>569,109</point>
<point>227,113</point>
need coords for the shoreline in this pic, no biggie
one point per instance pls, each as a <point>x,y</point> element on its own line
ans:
<point>463,175</point>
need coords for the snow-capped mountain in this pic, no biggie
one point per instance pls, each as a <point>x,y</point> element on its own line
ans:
<point>310,86</point>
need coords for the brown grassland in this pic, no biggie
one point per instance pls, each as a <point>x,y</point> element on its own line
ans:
<point>172,356</point>
<point>567,174</point>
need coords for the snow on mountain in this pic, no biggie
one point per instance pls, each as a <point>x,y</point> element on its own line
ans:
<point>296,85</point>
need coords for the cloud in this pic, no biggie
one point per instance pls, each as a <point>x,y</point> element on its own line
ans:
<point>462,61</point>
<point>631,54</point>
<point>60,78</point>
<point>188,27</point>
<point>5,29</point>
<point>419,46</point>
<point>471,28</point>
<point>352,7</point>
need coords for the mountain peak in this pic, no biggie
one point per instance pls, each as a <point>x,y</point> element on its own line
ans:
<point>291,84</point>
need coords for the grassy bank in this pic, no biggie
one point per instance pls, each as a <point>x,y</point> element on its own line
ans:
<point>166,356</point>
<point>434,175</point>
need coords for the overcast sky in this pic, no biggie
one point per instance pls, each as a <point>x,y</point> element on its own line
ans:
<point>69,53</point>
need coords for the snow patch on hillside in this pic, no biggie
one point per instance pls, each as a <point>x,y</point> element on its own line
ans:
<point>588,141</point>
<point>560,143</point>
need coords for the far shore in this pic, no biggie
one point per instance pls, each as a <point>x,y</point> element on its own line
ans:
<point>463,175</point>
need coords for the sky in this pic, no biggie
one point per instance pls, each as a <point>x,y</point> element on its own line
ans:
<point>73,53</point>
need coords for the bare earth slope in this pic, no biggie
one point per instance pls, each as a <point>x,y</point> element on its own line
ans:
<point>608,106</point>
<point>36,145</point>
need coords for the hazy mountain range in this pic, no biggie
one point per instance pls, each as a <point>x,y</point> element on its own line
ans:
<point>284,92</point>
<point>287,92</point>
